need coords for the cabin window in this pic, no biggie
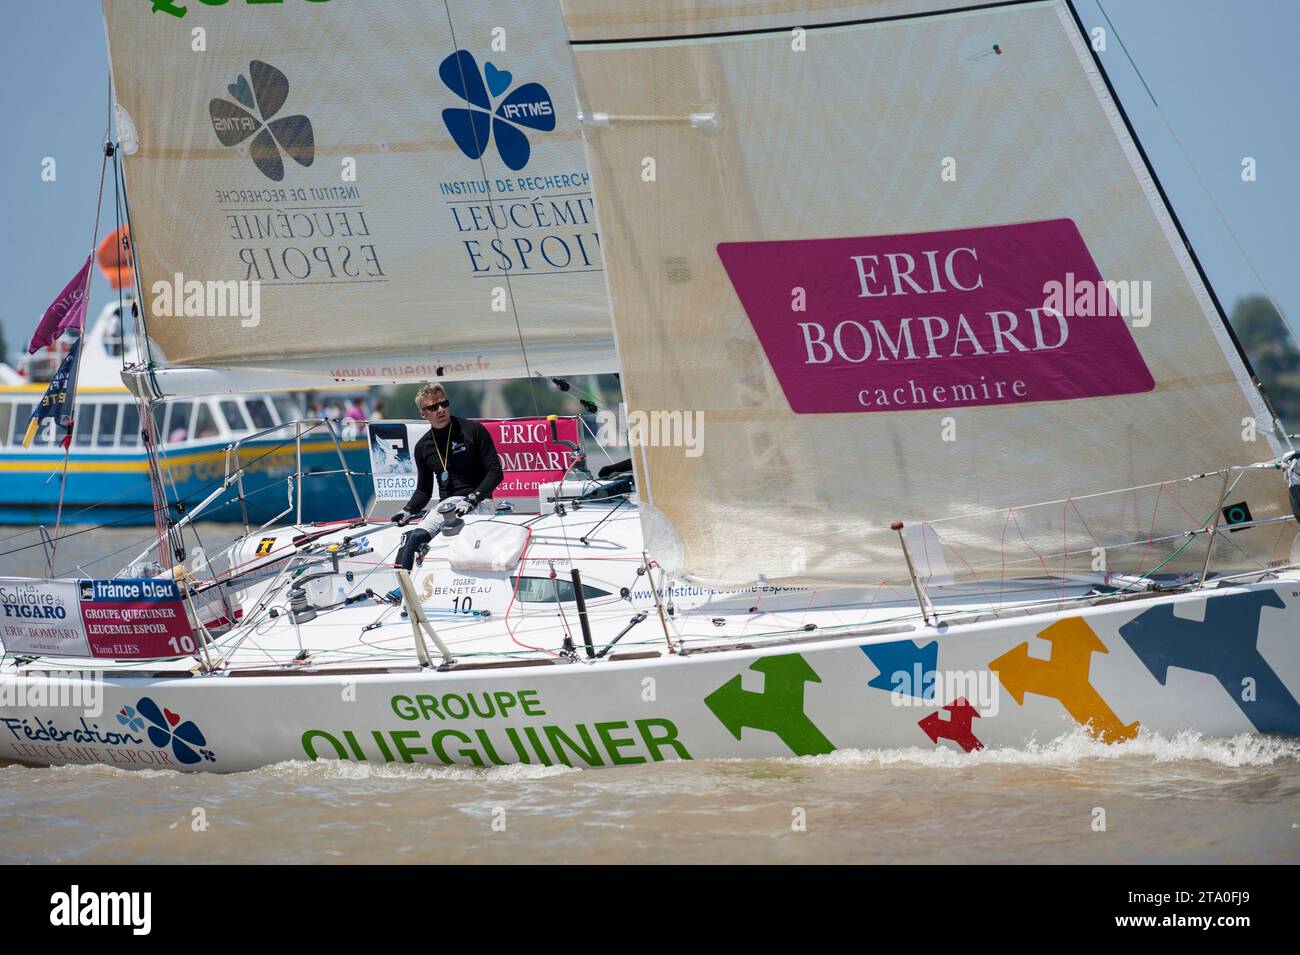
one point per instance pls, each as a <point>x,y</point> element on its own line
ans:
<point>205,426</point>
<point>4,422</point>
<point>107,425</point>
<point>533,590</point>
<point>130,426</point>
<point>178,421</point>
<point>288,410</point>
<point>22,412</point>
<point>234,417</point>
<point>260,412</point>
<point>85,425</point>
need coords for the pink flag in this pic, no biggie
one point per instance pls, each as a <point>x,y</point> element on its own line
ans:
<point>66,311</point>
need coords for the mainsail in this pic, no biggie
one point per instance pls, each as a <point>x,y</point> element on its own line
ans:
<point>405,183</point>
<point>880,254</point>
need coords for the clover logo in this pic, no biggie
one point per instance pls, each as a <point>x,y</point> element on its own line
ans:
<point>166,727</point>
<point>474,126</point>
<point>234,123</point>
<point>128,718</point>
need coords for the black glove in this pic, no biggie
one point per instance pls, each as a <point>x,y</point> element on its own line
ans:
<point>401,518</point>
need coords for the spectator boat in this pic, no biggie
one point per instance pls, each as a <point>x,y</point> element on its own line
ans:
<point>108,465</point>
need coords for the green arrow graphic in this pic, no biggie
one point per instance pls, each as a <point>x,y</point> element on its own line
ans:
<point>778,709</point>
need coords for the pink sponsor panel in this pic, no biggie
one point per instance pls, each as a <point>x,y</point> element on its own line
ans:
<point>529,457</point>
<point>935,319</point>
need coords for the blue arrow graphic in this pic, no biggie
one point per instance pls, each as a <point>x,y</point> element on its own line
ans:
<point>1224,645</point>
<point>905,666</point>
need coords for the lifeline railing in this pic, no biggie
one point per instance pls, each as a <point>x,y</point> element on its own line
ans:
<point>1179,537</point>
<point>235,468</point>
<point>328,423</point>
<point>1213,527</point>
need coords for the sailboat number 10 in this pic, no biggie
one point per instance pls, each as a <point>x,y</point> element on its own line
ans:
<point>184,644</point>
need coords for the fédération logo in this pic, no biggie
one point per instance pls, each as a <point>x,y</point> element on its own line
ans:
<point>476,124</point>
<point>260,102</point>
<point>165,727</point>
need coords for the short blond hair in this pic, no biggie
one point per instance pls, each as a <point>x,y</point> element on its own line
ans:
<point>429,391</point>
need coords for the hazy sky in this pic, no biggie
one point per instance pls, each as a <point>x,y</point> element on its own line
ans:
<point>1225,73</point>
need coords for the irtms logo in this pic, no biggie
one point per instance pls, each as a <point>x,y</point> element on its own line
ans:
<point>235,122</point>
<point>475,125</point>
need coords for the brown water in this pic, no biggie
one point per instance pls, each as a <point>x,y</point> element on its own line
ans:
<point>1160,800</point>
<point>1183,800</point>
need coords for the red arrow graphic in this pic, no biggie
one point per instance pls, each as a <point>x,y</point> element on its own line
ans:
<point>956,727</point>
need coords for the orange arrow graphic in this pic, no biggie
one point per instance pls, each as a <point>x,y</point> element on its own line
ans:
<point>1064,677</point>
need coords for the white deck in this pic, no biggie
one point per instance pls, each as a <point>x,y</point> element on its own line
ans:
<point>489,618</point>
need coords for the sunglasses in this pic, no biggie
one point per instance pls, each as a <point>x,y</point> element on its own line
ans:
<point>435,406</point>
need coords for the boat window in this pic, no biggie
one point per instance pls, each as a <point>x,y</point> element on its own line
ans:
<point>107,425</point>
<point>85,425</point>
<point>543,590</point>
<point>178,421</point>
<point>288,409</point>
<point>130,426</point>
<point>260,412</point>
<point>234,417</point>
<point>205,425</point>
<point>4,422</point>
<point>22,411</point>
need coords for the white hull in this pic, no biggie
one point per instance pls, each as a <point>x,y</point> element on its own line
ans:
<point>1219,661</point>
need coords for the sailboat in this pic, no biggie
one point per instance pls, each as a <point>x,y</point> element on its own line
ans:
<point>906,470</point>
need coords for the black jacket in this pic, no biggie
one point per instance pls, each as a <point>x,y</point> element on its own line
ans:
<point>472,464</point>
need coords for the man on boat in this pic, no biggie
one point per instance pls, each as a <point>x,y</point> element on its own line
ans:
<point>461,455</point>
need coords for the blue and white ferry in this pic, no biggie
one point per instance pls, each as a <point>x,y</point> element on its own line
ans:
<point>261,440</point>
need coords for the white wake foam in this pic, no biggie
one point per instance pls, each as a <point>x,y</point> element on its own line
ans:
<point>1078,746</point>
<point>323,769</point>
